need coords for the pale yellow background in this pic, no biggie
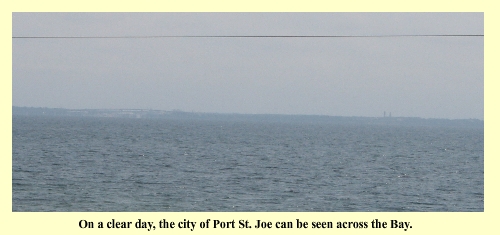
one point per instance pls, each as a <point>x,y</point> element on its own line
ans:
<point>423,223</point>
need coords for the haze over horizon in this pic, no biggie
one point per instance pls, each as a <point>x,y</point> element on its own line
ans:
<point>427,77</point>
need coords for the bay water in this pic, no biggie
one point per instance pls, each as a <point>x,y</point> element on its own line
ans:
<point>125,164</point>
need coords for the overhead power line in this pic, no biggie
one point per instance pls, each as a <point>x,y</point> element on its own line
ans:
<point>250,36</point>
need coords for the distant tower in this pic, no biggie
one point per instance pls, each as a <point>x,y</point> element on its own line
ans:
<point>384,113</point>
<point>390,115</point>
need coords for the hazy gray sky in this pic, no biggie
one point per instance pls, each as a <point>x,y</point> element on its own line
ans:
<point>430,77</point>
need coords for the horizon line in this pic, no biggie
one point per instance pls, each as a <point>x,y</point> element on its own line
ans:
<point>222,113</point>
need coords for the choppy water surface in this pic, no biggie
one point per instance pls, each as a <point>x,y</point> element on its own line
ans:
<point>111,164</point>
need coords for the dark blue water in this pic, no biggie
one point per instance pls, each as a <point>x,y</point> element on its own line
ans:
<point>112,164</point>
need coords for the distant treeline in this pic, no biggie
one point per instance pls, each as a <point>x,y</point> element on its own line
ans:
<point>176,114</point>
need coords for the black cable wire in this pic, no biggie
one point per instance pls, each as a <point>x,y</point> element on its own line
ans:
<point>249,36</point>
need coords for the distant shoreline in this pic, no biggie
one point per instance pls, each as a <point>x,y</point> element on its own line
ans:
<point>177,114</point>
